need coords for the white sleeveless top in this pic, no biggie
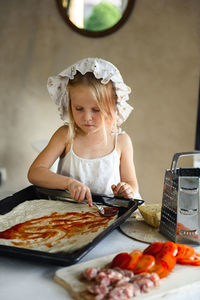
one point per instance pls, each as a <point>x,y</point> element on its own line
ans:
<point>97,173</point>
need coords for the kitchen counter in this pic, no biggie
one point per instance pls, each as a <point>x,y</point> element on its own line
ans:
<point>22,280</point>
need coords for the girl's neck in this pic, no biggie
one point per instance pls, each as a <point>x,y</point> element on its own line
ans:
<point>96,137</point>
<point>100,135</point>
<point>93,145</point>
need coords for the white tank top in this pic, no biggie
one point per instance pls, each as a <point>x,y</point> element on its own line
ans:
<point>97,173</point>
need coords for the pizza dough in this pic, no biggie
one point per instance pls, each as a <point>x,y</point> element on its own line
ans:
<point>51,226</point>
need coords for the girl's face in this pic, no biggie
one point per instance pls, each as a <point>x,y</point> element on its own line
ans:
<point>85,110</point>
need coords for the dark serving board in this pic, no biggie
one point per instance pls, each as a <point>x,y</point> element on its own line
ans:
<point>126,208</point>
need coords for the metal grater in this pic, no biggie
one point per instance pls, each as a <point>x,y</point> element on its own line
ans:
<point>180,213</point>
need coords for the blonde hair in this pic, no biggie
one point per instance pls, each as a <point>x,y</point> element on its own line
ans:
<point>104,93</point>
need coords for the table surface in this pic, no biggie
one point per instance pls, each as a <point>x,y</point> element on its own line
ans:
<point>22,280</point>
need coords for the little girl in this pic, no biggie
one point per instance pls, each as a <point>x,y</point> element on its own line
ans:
<point>93,155</point>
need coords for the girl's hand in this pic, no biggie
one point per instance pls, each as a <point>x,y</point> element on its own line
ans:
<point>80,191</point>
<point>123,189</point>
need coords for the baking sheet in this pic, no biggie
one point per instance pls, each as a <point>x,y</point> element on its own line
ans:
<point>180,280</point>
<point>33,193</point>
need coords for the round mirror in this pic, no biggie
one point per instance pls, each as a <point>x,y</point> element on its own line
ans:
<point>95,18</point>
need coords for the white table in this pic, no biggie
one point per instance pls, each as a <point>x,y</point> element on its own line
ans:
<point>20,279</point>
<point>23,280</point>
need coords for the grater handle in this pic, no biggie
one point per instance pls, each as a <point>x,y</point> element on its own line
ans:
<point>177,156</point>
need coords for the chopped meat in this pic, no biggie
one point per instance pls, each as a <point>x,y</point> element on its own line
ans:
<point>118,284</point>
<point>145,284</point>
<point>111,274</point>
<point>137,290</point>
<point>98,289</point>
<point>104,281</point>
<point>91,273</point>
<point>114,275</point>
<point>99,297</point>
<point>153,277</point>
<point>125,272</point>
<point>122,281</point>
<point>122,292</point>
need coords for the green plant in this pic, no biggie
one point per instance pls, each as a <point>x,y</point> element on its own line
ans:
<point>103,16</point>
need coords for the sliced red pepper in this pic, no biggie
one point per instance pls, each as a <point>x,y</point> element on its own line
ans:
<point>153,248</point>
<point>145,263</point>
<point>167,260</point>
<point>135,256</point>
<point>196,261</point>
<point>186,261</point>
<point>159,269</point>
<point>184,251</point>
<point>197,254</point>
<point>121,260</point>
<point>192,260</point>
<point>169,248</point>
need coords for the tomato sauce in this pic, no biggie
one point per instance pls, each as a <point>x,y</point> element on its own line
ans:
<point>47,230</point>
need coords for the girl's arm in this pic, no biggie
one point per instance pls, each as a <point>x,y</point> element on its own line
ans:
<point>41,175</point>
<point>128,186</point>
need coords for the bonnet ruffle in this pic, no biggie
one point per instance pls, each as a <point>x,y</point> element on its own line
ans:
<point>101,69</point>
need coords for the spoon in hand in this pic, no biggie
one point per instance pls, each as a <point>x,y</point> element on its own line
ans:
<point>106,211</point>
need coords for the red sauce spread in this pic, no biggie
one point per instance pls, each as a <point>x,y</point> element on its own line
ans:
<point>50,229</point>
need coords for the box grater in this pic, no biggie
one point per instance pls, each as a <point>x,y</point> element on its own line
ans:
<point>180,213</point>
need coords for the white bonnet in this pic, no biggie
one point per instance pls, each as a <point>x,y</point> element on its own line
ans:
<point>101,69</point>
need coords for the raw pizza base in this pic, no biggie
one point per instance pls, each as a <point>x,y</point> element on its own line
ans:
<point>51,226</point>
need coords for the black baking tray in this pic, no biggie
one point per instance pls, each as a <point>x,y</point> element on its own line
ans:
<point>126,208</point>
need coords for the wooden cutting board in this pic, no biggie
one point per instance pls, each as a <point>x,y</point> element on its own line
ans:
<point>182,279</point>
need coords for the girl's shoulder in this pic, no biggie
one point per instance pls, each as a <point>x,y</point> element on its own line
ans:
<point>63,130</point>
<point>61,134</point>
<point>124,141</point>
<point>123,137</point>
<point>60,140</point>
